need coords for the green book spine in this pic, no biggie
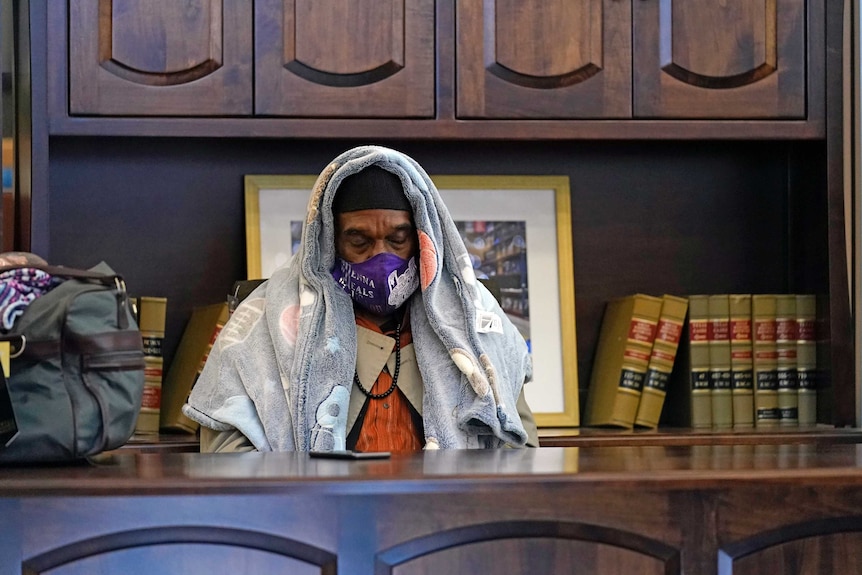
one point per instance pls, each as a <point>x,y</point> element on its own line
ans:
<point>662,358</point>
<point>806,358</point>
<point>198,337</point>
<point>622,356</point>
<point>785,367</point>
<point>718,334</point>
<point>765,362</point>
<point>151,321</point>
<point>741,372</point>
<point>700,414</point>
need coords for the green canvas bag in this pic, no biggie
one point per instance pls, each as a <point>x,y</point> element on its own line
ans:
<point>77,369</point>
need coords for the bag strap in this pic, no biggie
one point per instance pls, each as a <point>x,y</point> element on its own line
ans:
<point>72,273</point>
<point>106,279</point>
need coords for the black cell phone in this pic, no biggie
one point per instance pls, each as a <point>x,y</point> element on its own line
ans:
<point>346,454</point>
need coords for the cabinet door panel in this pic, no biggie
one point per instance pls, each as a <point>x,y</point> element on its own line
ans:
<point>337,58</point>
<point>717,60</point>
<point>541,555</point>
<point>543,58</point>
<point>186,550</point>
<point>160,57</point>
<point>829,553</point>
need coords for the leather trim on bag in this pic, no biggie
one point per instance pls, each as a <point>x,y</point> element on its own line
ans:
<point>109,342</point>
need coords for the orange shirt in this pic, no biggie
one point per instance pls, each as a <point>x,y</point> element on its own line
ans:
<point>388,423</point>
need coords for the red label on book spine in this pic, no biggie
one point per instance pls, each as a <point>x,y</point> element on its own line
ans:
<point>788,353</point>
<point>636,355</point>
<point>153,372</point>
<point>698,330</point>
<point>764,330</point>
<point>740,330</point>
<point>152,397</point>
<point>805,330</point>
<point>669,331</point>
<point>785,329</point>
<point>666,356</point>
<point>642,330</point>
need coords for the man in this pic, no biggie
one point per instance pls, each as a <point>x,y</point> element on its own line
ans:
<point>376,336</point>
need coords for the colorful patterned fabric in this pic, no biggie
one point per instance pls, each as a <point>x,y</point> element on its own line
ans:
<point>18,288</point>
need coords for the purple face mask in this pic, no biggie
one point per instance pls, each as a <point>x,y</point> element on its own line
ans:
<point>381,284</point>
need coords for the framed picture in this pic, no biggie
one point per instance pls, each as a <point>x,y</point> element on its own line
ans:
<point>518,232</point>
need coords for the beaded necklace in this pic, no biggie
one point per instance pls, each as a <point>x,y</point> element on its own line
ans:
<point>394,375</point>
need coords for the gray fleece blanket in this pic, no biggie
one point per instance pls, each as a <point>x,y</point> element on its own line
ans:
<point>282,368</point>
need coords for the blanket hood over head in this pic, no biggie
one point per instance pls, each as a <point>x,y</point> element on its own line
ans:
<point>281,369</point>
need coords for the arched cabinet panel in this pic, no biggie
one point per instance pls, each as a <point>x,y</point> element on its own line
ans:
<point>811,548</point>
<point>720,60</point>
<point>160,57</point>
<point>330,58</point>
<point>547,547</point>
<point>543,59</point>
<point>183,551</point>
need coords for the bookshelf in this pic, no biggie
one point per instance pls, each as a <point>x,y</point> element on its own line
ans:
<point>499,256</point>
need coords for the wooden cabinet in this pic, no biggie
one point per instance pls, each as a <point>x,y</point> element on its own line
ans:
<point>160,58</point>
<point>699,510</point>
<point>721,60</point>
<point>312,58</point>
<point>388,59</point>
<point>336,59</point>
<point>636,59</point>
<point>544,59</point>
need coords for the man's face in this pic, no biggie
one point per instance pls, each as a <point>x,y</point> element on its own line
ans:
<point>363,234</point>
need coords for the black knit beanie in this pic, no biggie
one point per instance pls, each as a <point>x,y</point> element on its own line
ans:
<point>372,188</point>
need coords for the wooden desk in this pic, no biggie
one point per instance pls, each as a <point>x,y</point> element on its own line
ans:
<point>703,509</point>
<point>164,443</point>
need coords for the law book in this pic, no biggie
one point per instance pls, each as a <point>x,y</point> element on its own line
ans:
<point>697,369</point>
<point>785,359</point>
<point>689,399</point>
<point>622,356</point>
<point>741,367</point>
<point>765,360</point>
<point>151,313</point>
<point>198,337</point>
<point>718,335</point>
<point>662,358</point>
<point>806,358</point>
<point>8,423</point>
<point>5,357</point>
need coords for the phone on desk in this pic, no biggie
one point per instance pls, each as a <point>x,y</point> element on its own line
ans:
<point>347,454</point>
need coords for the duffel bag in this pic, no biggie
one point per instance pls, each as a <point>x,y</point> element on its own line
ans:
<point>77,369</point>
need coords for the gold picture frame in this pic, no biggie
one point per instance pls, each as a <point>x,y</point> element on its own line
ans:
<point>537,206</point>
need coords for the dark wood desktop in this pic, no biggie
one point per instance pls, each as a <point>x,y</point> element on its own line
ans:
<point>696,509</point>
